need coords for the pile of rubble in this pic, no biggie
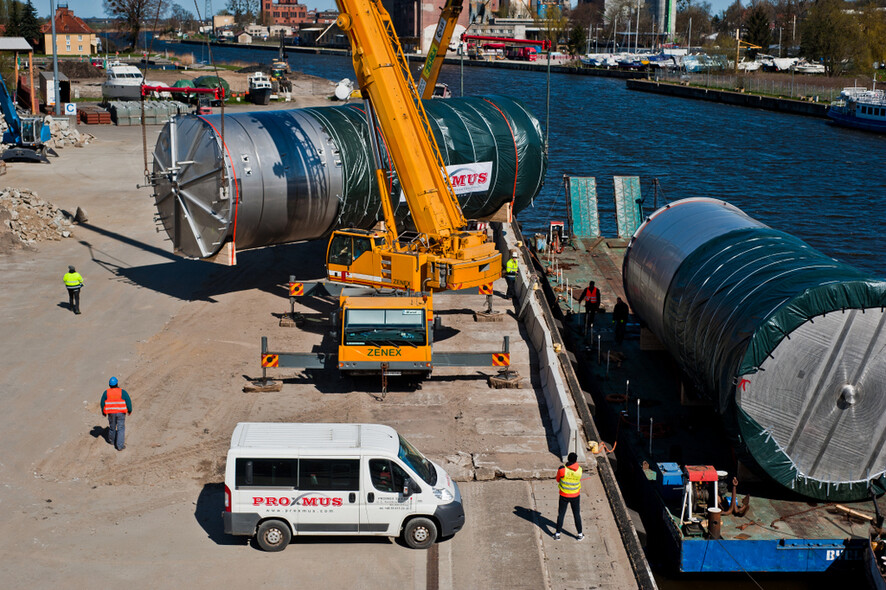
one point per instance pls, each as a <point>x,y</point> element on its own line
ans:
<point>63,133</point>
<point>26,219</point>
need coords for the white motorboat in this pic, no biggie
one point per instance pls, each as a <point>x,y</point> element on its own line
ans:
<point>749,66</point>
<point>259,88</point>
<point>123,82</point>
<point>804,67</point>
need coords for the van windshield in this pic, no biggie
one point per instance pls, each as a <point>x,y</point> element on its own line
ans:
<point>418,462</point>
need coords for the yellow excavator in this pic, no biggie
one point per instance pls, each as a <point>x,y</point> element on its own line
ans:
<point>392,334</point>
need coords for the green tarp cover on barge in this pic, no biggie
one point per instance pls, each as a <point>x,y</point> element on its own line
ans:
<point>791,346</point>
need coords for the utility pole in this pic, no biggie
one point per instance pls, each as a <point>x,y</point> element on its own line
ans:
<point>779,42</point>
<point>58,105</point>
<point>737,48</point>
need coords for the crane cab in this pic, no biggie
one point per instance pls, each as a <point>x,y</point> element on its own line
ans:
<point>363,257</point>
<point>389,334</point>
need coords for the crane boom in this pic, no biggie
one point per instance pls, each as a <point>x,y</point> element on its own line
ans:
<point>445,255</point>
<point>442,36</point>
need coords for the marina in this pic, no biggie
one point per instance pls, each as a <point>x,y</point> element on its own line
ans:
<point>782,183</point>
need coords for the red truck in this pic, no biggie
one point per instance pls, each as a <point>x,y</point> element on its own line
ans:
<point>527,53</point>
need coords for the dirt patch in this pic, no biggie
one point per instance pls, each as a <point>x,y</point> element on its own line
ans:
<point>80,70</point>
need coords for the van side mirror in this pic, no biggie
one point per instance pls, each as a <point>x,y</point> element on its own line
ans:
<point>410,487</point>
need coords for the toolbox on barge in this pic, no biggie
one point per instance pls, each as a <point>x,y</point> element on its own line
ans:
<point>760,467</point>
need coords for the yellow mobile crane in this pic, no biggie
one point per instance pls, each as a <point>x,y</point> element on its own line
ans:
<point>393,334</point>
<point>443,254</point>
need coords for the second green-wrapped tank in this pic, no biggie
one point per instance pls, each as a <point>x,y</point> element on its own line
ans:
<point>788,343</point>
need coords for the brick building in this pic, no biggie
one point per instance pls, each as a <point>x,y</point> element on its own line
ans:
<point>73,36</point>
<point>284,12</point>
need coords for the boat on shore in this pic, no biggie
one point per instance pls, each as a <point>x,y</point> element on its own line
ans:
<point>860,108</point>
<point>259,89</point>
<point>122,82</point>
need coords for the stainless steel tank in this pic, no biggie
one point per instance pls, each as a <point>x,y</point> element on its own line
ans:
<point>788,343</point>
<point>295,175</point>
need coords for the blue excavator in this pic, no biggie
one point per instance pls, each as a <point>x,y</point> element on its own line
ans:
<point>27,136</point>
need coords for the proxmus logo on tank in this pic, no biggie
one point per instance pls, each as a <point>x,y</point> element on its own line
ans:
<point>302,501</point>
<point>466,178</point>
<point>470,178</point>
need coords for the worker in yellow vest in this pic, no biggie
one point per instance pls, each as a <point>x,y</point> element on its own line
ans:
<point>512,267</point>
<point>73,283</point>
<point>569,482</point>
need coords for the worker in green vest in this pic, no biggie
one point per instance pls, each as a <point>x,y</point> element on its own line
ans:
<point>512,267</point>
<point>73,282</point>
<point>569,484</point>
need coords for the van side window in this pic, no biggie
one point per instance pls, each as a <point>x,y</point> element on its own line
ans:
<point>278,473</point>
<point>386,476</point>
<point>329,474</point>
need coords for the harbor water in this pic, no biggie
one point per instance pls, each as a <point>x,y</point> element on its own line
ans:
<point>797,174</point>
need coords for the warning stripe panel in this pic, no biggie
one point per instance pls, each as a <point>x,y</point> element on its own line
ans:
<point>270,360</point>
<point>296,289</point>
<point>486,289</point>
<point>501,359</point>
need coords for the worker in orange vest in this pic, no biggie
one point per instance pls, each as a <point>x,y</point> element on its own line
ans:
<point>569,483</point>
<point>591,297</point>
<point>116,404</point>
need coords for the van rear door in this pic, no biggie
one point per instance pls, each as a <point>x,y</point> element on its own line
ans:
<point>328,495</point>
<point>266,486</point>
<point>384,505</point>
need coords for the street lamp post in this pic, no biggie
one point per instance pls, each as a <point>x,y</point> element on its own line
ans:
<point>57,97</point>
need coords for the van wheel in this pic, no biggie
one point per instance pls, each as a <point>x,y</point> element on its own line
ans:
<point>273,535</point>
<point>420,533</point>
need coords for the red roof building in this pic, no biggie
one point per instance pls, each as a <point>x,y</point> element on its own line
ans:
<point>73,36</point>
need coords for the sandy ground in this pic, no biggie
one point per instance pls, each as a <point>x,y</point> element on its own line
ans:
<point>182,336</point>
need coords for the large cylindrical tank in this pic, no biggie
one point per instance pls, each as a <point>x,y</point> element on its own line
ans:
<point>299,174</point>
<point>790,344</point>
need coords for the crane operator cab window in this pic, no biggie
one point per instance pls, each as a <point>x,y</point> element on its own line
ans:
<point>344,249</point>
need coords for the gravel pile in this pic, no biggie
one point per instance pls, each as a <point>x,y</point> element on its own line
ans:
<point>26,219</point>
<point>64,134</point>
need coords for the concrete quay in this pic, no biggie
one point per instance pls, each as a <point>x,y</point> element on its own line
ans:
<point>757,101</point>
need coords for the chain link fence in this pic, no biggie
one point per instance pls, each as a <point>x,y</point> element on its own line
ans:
<point>782,85</point>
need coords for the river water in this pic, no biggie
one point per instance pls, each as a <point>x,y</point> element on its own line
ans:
<point>798,174</point>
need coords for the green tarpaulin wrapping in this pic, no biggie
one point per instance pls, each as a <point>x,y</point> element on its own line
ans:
<point>789,343</point>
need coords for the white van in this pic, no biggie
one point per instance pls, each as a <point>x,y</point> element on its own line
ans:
<point>335,479</point>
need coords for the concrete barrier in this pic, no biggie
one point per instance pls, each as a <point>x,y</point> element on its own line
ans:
<point>564,418</point>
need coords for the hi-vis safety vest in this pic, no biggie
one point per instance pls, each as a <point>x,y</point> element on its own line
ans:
<point>570,483</point>
<point>114,403</point>
<point>73,280</point>
<point>511,266</point>
<point>592,296</point>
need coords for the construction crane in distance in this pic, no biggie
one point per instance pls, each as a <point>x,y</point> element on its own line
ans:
<point>439,46</point>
